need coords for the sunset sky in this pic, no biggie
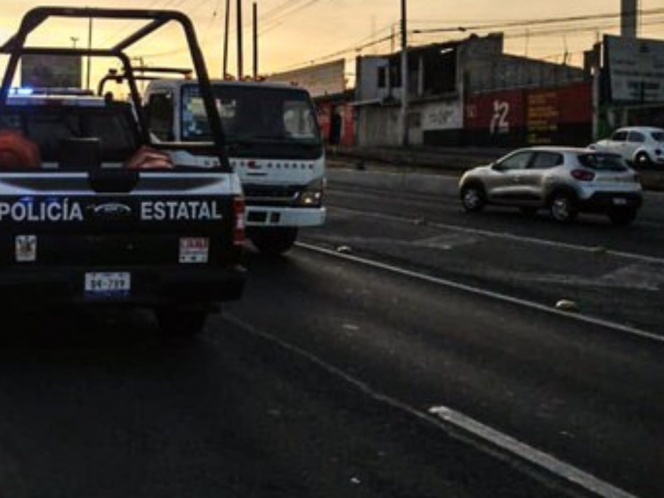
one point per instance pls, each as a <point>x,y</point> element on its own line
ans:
<point>297,33</point>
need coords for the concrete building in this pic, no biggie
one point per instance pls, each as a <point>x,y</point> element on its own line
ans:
<point>441,80</point>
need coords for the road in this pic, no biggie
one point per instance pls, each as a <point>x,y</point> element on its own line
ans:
<point>406,349</point>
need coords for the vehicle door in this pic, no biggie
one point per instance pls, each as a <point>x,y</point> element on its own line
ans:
<point>532,180</point>
<point>635,140</point>
<point>617,143</point>
<point>504,184</point>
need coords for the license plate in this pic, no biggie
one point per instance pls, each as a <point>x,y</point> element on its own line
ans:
<point>107,284</point>
<point>194,249</point>
<point>619,201</point>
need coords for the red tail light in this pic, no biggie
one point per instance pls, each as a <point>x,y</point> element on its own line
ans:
<point>238,208</point>
<point>583,175</point>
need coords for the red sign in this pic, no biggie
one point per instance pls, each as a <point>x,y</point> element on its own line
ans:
<point>499,112</point>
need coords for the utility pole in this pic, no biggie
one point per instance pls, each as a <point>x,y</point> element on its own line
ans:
<point>255,18</point>
<point>89,49</point>
<point>404,77</point>
<point>240,72</point>
<point>226,27</point>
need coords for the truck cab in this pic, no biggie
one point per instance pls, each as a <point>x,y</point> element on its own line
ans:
<point>273,142</point>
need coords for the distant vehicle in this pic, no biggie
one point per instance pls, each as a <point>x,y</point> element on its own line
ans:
<point>563,180</point>
<point>640,145</point>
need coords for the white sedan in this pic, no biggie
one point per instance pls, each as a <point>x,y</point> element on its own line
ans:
<point>640,145</point>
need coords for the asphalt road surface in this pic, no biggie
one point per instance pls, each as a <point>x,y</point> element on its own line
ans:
<point>406,349</point>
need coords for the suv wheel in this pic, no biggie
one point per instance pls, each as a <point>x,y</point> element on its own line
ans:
<point>473,197</point>
<point>642,160</point>
<point>622,216</point>
<point>562,207</point>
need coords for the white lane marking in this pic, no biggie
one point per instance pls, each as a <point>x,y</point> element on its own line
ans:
<point>528,453</point>
<point>516,238</point>
<point>490,294</point>
<point>641,276</point>
<point>450,421</point>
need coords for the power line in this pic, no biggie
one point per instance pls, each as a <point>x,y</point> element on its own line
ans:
<point>551,20</point>
<point>277,21</point>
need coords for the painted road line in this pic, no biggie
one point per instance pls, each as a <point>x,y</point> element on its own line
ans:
<point>485,293</point>
<point>515,238</point>
<point>456,425</point>
<point>528,453</point>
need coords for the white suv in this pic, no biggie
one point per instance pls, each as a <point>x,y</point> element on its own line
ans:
<point>563,180</point>
<point>640,145</point>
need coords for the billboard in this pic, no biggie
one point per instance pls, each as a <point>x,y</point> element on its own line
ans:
<point>319,80</point>
<point>557,115</point>
<point>61,71</point>
<point>635,67</point>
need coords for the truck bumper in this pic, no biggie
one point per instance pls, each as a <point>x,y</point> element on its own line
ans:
<point>260,216</point>
<point>159,286</point>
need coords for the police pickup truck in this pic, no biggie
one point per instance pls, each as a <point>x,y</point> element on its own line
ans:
<point>92,212</point>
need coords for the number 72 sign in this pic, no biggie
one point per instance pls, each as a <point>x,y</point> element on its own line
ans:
<point>500,120</point>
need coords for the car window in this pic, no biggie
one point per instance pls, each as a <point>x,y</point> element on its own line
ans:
<point>603,162</point>
<point>545,160</point>
<point>636,136</point>
<point>657,136</point>
<point>518,160</point>
<point>619,136</point>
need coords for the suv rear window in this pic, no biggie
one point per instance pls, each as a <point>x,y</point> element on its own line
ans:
<point>603,162</point>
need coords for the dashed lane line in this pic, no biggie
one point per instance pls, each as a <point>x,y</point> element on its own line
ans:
<point>528,453</point>
<point>545,468</point>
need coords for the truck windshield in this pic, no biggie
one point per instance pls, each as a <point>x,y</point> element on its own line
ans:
<point>252,114</point>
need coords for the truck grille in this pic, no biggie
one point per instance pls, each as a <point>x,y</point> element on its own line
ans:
<point>271,195</point>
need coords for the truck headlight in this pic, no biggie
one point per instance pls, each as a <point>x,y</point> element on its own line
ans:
<point>312,195</point>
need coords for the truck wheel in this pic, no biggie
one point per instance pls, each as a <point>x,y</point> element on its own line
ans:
<point>273,241</point>
<point>181,321</point>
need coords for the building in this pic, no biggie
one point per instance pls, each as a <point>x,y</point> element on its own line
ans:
<point>469,92</point>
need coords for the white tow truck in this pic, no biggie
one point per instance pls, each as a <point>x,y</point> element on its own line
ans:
<point>273,141</point>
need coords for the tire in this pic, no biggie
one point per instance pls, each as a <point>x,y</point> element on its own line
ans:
<point>273,241</point>
<point>562,206</point>
<point>181,321</point>
<point>622,216</point>
<point>642,160</point>
<point>473,197</point>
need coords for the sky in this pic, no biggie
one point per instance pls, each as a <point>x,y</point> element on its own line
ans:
<point>298,33</point>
